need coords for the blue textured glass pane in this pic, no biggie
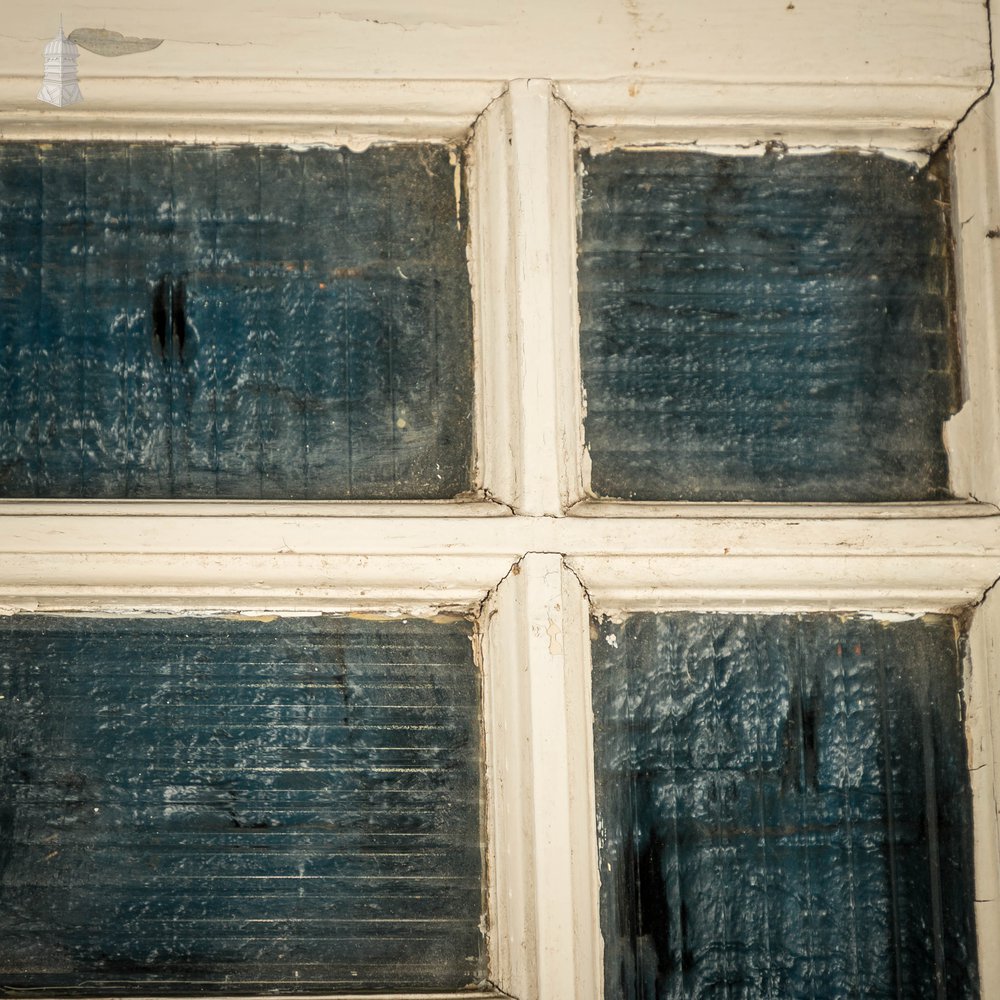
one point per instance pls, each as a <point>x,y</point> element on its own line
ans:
<point>766,327</point>
<point>204,805</point>
<point>246,322</point>
<point>783,807</point>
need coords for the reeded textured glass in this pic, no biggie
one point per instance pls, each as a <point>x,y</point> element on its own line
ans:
<point>247,322</point>
<point>783,808</point>
<point>772,328</point>
<point>198,805</point>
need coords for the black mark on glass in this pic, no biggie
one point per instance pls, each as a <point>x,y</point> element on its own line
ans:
<point>178,318</point>
<point>161,295</point>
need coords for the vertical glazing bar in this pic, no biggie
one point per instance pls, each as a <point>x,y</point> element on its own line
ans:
<point>973,434</point>
<point>982,715</point>
<point>524,274</point>
<point>544,942</point>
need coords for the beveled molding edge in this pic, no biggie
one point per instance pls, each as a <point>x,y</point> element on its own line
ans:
<point>886,586</point>
<point>353,113</point>
<point>905,117</point>
<point>915,510</point>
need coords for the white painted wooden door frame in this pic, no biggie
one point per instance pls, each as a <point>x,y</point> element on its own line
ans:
<point>535,557</point>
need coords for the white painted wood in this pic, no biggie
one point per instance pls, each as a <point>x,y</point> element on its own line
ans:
<point>923,512</point>
<point>573,615</point>
<point>982,726</point>
<point>490,224</point>
<point>631,111</point>
<point>890,116</point>
<point>544,940</point>
<point>354,113</point>
<point>290,509</point>
<point>973,435</point>
<point>220,530</point>
<point>510,876</point>
<point>891,44</point>
<point>890,583</point>
<point>379,584</point>
<point>524,272</point>
<point>110,558</point>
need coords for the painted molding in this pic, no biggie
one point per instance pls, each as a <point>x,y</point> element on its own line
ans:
<point>907,116</point>
<point>635,110</point>
<point>920,511</point>
<point>545,939</point>
<point>202,583</point>
<point>973,435</point>
<point>877,583</point>
<point>210,559</point>
<point>352,113</point>
<point>523,261</point>
<point>981,728</point>
<point>847,68</point>
<point>219,529</point>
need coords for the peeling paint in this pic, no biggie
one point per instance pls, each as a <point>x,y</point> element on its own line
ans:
<point>597,142</point>
<point>890,616</point>
<point>411,20</point>
<point>103,42</point>
<point>956,432</point>
<point>456,162</point>
<point>555,638</point>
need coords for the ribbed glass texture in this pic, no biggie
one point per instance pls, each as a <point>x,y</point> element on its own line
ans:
<point>250,322</point>
<point>783,808</point>
<point>199,805</point>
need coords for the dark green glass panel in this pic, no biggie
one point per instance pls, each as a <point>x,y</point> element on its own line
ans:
<point>203,805</point>
<point>766,327</point>
<point>783,808</point>
<point>245,322</point>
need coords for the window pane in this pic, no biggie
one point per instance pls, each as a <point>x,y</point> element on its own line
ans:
<point>784,807</point>
<point>242,322</point>
<point>766,327</point>
<point>210,805</point>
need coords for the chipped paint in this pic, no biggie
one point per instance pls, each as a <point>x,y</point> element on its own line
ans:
<point>457,168</point>
<point>103,42</point>
<point>554,634</point>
